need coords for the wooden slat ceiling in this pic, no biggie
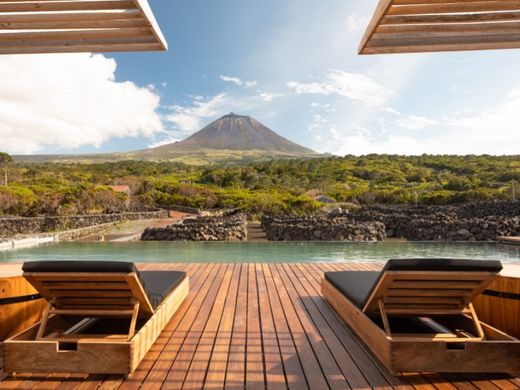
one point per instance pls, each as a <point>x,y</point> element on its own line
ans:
<point>66,26</point>
<point>411,26</point>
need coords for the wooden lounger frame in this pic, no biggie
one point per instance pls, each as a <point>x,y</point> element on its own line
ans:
<point>446,296</point>
<point>89,297</point>
<point>427,293</point>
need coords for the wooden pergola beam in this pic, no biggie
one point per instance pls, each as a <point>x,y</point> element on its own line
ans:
<point>64,26</point>
<point>410,26</point>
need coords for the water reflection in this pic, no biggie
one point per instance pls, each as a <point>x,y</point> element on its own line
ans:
<point>261,252</point>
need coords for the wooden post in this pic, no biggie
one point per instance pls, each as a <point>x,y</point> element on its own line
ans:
<point>384,317</point>
<point>133,322</point>
<point>43,324</point>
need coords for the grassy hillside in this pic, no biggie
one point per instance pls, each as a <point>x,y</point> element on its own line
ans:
<point>258,187</point>
<point>201,157</point>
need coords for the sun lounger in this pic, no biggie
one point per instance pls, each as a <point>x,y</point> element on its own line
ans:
<point>416,315</point>
<point>101,318</point>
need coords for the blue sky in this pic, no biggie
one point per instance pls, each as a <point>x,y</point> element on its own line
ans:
<point>291,64</point>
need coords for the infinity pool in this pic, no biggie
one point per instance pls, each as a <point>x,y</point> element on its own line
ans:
<point>216,252</point>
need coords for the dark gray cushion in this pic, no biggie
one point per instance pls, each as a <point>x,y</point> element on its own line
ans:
<point>359,285</point>
<point>160,284</point>
<point>454,265</point>
<point>355,285</point>
<point>157,284</point>
<point>78,266</point>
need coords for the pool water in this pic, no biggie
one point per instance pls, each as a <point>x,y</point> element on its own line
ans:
<point>269,252</point>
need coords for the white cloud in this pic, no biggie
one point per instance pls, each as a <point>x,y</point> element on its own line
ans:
<point>415,122</point>
<point>193,116</point>
<point>190,118</point>
<point>353,86</point>
<point>187,119</point>
<point>494,131</point>
<point>269,96</point>
<point>238,81</point>
<point>356,23</point>
<point>168,140</point>
<point>234,80</point>
<point>68,101</point>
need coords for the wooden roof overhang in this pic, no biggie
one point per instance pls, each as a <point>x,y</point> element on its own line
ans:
<point>412,26</point>
<point>65,26</point>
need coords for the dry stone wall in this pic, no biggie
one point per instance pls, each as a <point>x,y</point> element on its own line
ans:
<point>227,226</point>
<point>321,229</point>
<point>16,226</point>
<point>484,221</point>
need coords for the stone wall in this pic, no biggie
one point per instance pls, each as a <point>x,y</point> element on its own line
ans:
<point>484,221</point>
<point>12,227</point>
<point>226,226</point>
<point>446,228</point>
<point>508,208</point>
<point>185,209</point>
<point>76,234</point>
<point>321,229</point>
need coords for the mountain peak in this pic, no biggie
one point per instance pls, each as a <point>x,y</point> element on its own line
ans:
<point>233,115</point>
<point>237,133</point>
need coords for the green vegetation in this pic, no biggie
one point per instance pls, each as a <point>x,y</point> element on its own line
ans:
<point>257,187</point>
<point>5,160</point>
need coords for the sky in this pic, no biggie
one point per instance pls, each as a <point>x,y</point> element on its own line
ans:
<point>291,64</point>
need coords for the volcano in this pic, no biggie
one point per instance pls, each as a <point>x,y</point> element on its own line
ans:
<point>235,133</point>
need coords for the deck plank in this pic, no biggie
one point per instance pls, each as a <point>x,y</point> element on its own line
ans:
<point>361,371</point>
<point>204,348</point>
<point>255,377</point>
<point>236,365</point>
<point>199,273</point>
<point>162,364</point>
<point>294,374</point>
<point>310,334</point>
<point>187,347</point>
<point>274,370</point>
<point>260,326</point>
<point>217,364</point>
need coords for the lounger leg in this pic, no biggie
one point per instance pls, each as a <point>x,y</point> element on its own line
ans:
<point>131,332</point>
<point>384,317</point>
<point>476,322</point>
<point>45,318</point>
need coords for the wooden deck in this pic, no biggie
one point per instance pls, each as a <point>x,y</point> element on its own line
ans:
<point>509,240</point>
<point>260,326</point>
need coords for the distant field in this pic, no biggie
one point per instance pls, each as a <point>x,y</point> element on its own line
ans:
<point>199,158</point>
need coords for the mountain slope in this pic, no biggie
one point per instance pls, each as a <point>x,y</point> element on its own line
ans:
<point>234,133</point>
<point>231,138</point>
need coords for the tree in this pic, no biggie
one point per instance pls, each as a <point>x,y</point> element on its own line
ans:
<point>5,160</point>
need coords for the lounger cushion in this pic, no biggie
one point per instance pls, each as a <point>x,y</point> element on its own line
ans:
<point>157,284</point>
<point>79,266</point>
<point>358,285</point>
<point>355,285</point>
<point>455,265</point>
<point>160,284</point>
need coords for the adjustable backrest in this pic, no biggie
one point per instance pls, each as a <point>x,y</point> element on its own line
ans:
<point>430,286</point>
<point>104,286</point>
